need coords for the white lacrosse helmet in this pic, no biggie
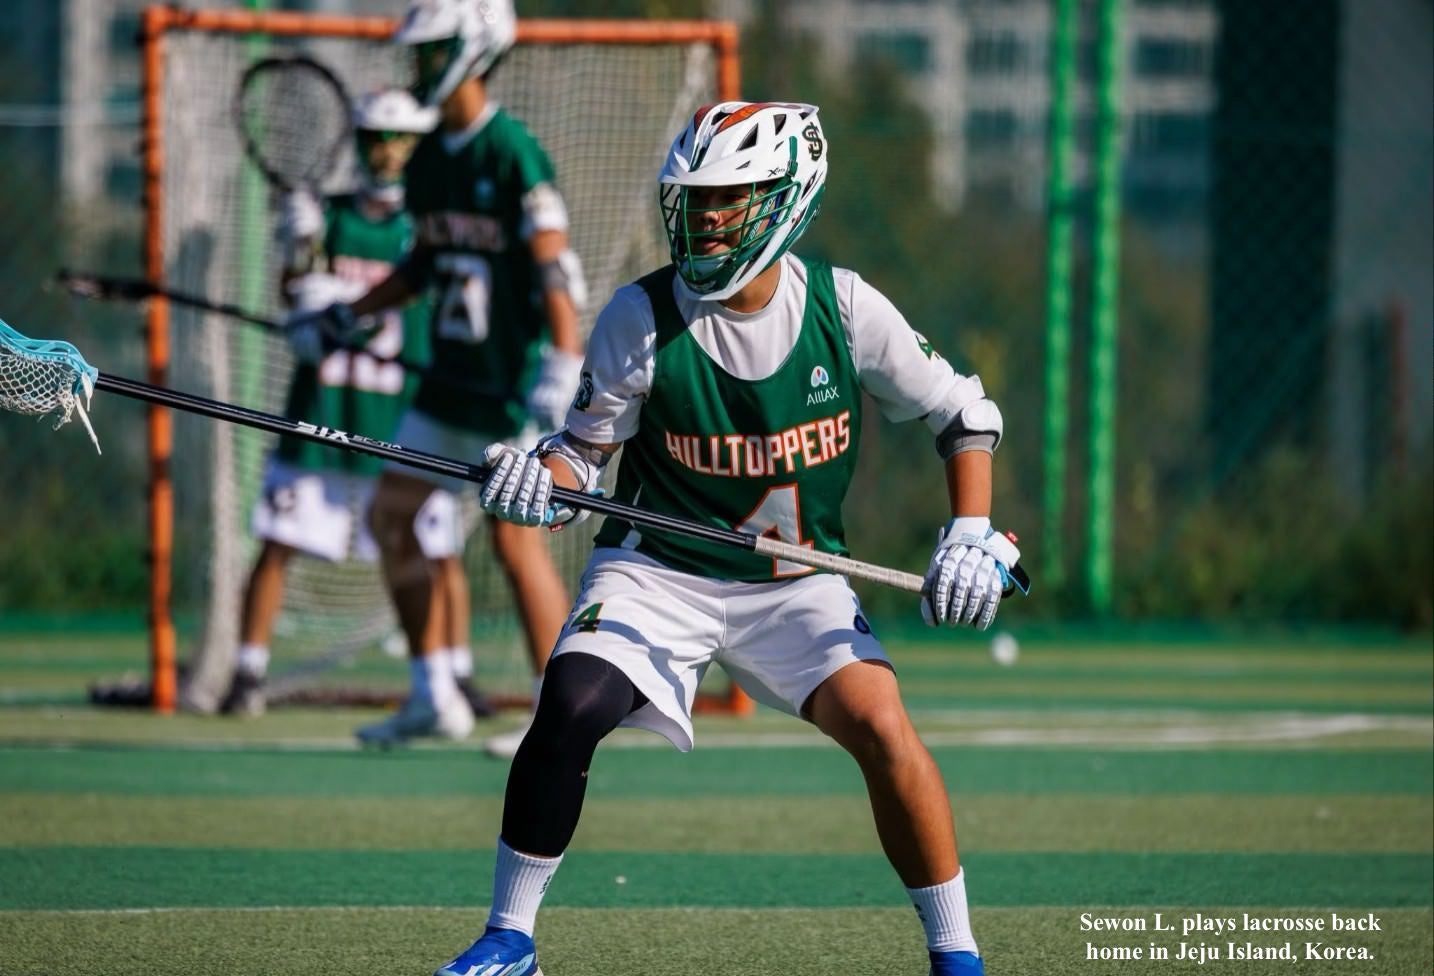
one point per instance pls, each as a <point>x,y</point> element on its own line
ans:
<point>776,150</point>
<point>394,117</point>
<point>455,40</point>
<point>392,110</point>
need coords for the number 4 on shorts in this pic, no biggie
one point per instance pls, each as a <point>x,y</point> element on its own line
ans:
<point>587,621</point>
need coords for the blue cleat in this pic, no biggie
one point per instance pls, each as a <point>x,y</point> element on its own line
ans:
<point>956,964</point>
<point>498,952</point>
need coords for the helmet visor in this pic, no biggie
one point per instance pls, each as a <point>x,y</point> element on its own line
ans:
<point>715,232</point>
<point>383,154</point>
<point>431,61</point>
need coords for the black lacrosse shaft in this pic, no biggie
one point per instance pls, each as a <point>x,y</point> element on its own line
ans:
<point>434,463</point>
<point>138,289</point>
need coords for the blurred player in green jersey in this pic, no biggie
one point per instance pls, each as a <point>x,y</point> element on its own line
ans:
<point>313,497</point>
<point>491,242</point>
<point>732,381</point>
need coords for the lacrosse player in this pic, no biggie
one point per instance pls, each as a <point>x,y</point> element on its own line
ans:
<point>334,250</point>
<point>732,380</point>
<point>491,239</point>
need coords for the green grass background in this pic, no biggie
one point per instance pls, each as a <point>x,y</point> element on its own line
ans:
<point>1290,778</point>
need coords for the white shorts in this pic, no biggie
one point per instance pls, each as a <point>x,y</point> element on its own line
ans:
<point>663,628</point>
<point>320,513</point>
<point>419,432</point>
<point>442,525</point>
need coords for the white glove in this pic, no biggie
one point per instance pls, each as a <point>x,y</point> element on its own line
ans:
<point>313,334</point>
<point>300,227</point>
<point>301,217</point>
<point>969,572</point>
<point>557,384</point>
<point>316,291</point>
<point>518,487</point>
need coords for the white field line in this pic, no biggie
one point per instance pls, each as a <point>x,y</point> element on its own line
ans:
<point>1115,730</point>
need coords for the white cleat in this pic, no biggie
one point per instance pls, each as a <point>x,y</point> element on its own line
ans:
<point>419,718</point>
<point>505,745</point>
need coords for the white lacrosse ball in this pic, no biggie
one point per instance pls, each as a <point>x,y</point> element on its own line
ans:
<point>395,644</point>
<point>1005,649</point>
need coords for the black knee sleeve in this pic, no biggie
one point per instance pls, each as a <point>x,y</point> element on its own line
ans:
<point>584,698</point>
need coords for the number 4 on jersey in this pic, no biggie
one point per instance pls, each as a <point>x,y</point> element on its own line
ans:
<point>779,515</point>
<point>587,621</point>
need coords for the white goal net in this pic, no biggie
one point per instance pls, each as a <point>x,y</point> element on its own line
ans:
<point>604,111</point>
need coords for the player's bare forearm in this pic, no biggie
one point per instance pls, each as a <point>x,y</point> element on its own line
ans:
<point>563,475</point>
<point>968,483</point>
<point>388,293</point>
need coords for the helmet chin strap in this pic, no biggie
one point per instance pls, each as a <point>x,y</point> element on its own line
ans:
<point>706,264</point>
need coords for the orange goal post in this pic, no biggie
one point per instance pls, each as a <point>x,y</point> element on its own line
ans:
<point>603,96</point>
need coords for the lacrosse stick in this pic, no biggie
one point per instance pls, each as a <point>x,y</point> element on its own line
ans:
<point>38,377</point>
<point>105,288</point>
<point>294,119</point>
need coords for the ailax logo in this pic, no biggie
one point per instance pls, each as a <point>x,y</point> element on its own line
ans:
<point>821,392</point>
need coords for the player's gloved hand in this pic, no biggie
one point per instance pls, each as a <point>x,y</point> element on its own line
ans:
<point>519,486</point>
<point>301,216</point>
<point>299,229</point>
<point>969,573</point>
<point>314,334</point>
<point>316,291</point>
<point>557,384</point>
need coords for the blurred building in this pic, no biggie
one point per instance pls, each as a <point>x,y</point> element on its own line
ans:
<point>980,68</point>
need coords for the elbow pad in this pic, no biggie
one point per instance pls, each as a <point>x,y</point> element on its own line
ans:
<point>565,273</point>
<point>584,460</point>
<point>976,427</point>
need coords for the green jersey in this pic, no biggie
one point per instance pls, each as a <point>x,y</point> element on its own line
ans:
<point>488,318</point>
<point>351,390</point>
<point>772,457</point>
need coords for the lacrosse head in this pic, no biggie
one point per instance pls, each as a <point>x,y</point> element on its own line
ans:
<point>43,376</point>
<point>294,118</point>
<point>387,125</point>
<point>740,185</point>
<point>454,40</point>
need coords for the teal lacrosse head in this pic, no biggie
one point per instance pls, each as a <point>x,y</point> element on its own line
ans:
<point>43,376</point>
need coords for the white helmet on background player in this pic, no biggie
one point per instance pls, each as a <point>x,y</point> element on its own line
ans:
<point>391,117</point>
<point>776,149</point>
<point>454,40</point>
<point>392,110</point>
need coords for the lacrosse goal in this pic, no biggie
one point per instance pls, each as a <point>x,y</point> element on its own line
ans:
<point>604,98</point>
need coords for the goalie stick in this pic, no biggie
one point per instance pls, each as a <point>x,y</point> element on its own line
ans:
<point>294,119</point>
<point>39,376</point>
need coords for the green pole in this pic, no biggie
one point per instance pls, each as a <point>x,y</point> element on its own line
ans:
<point>1059,221</point>
<point>1105,257</point>
<point>249,344</point>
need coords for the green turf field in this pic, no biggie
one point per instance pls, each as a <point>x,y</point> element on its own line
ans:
<point>1268,780</point>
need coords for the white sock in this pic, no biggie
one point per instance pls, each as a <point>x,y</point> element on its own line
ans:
<point>942,910</point>
<point>431,678</point>
<point>519,883</point>
<point>252,659</point>
<point>460,661</point>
